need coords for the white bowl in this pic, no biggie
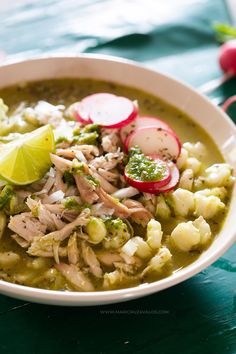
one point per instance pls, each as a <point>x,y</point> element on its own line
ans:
<point>214,121</point>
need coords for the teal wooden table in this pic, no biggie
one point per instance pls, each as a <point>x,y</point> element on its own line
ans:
<point>175,36</point>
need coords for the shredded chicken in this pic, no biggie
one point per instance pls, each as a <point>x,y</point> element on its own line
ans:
<point>20,240</point>
<point>131,259</point>
<point>46,217</point>
<point>61,164</point>
<point>110,140</point>
<point>70,215</point>
<point>137,211</point>
<point>71,191</point>
<point>45,243</point>
<point>59,183</point>
<point>100,209</point>
<point>91,260</point>
<point>75,276</point>
<point>86,189</point>
<point>47,247</point>
<point>50,181</point>
<point>111,176</point>
<point>89,151</point>
<point>72,249</point>
<point>108,258</point>
<point>120,210</point>
<point>108,161</point>
<point>65,232</point>
<point>55,208</point>
<point>56,250</point>
<point>107,186</point>
<point>26,226</point>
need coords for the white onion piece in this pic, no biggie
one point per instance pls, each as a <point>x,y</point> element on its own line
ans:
<point>48,185</point>
<point>54,197</point>
<point>125,193</point>
<point>80,156</point>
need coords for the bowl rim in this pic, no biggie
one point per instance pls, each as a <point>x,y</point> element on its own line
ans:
<point>55,297</point>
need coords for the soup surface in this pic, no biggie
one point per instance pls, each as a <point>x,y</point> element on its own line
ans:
<point>107,249</point>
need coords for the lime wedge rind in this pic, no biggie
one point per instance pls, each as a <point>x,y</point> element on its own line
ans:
<point>27,160</point>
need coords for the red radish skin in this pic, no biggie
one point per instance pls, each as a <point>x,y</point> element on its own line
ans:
<point>228,103</point>
<point>82,117</point>
<point>128,129</point>
<point>227,57</point>
<point>85,105</point>
<point>173,182</point>
<point>227,62</point>
<point>152,140</point>
<point>145,186</point>
<point>113,112</point>
<point>171,185</point>
<point>143,121</point>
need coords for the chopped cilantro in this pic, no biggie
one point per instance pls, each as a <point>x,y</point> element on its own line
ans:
<point>72,204</point>
<point>68,178</point>
<point>62,139</point>
<point>95,183</point>
<point>86,138</point>
<point>76,131</point>
<point>89,128</point>
<point>77,167</point>
<point>144,168</point>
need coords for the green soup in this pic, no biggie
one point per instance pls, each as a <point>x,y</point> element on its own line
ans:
<point>38,271</point>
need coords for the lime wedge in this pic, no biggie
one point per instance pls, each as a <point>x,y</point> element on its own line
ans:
<point>27,159</point>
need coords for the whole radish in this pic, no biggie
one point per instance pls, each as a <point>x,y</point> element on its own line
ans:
<point>227,57</point>
<point>227,62</point>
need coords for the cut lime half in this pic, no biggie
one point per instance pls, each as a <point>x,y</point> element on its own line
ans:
<point>27,159</point>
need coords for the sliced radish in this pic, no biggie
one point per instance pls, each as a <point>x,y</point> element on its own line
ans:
<point>152,140</point>
<point>171,185</point>
<point>113,112</point>
<point>146,186</point>
<point>83,108</point>
<point>143,121</point>
<point>127,129</point>
<point>173,182</point>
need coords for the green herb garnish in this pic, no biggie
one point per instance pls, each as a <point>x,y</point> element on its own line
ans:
<point>89,128</point>
<point>224,32</point>
<point>93,181</point>
<point>68,178</point>
<point>62,139</point>
<point>77,167</point>
<point>143,168</point>
<point>87,135</point>
<point>86,138</point>
<point>72,204</point>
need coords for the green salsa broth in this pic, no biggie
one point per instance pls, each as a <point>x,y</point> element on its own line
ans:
<point>67,91</point>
